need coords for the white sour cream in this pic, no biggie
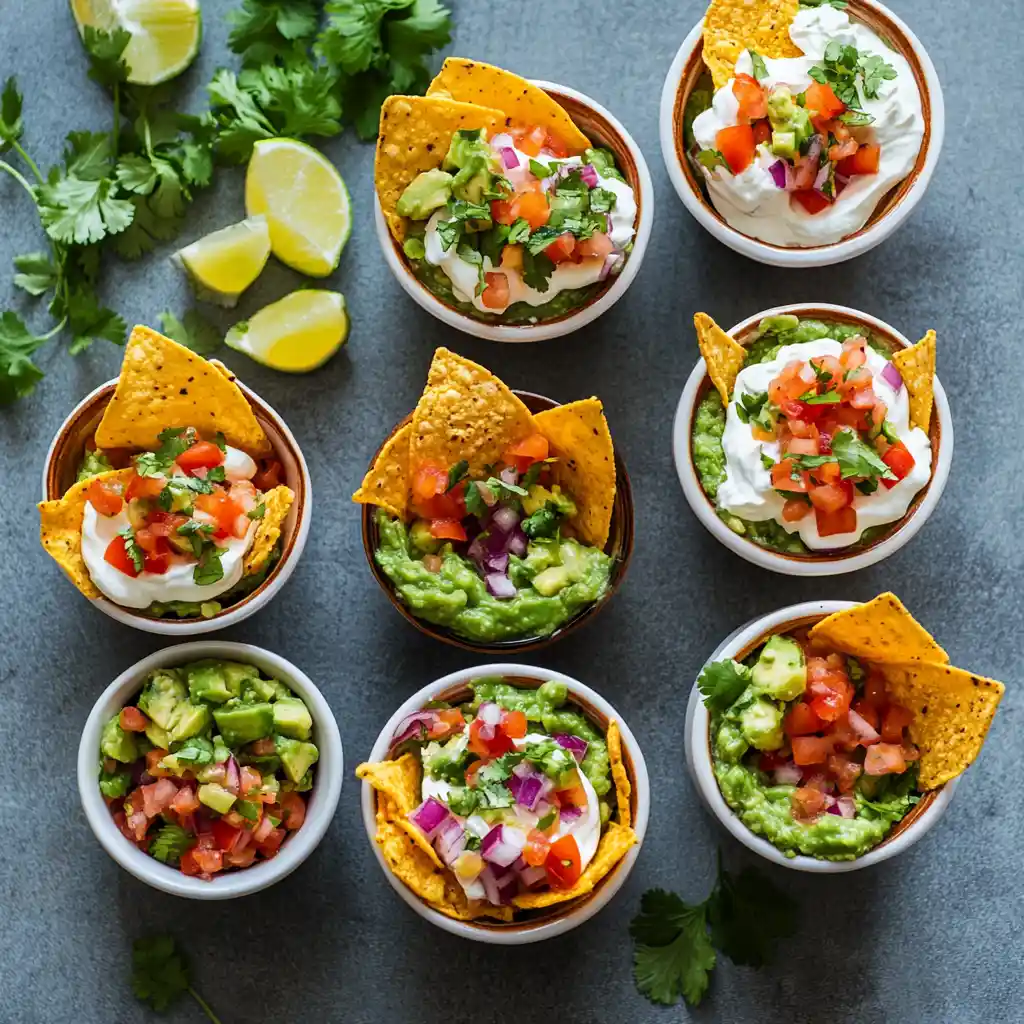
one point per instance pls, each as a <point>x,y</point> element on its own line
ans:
<point>747,491</point>
<point>751,203</point>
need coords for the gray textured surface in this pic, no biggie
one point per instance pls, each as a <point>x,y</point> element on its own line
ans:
<point>933,937</point>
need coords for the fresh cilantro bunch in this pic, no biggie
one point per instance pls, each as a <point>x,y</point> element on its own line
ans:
<point>743,917</point>
<point>264,31</point>
<point>160,975</point>
<point>844,68</point>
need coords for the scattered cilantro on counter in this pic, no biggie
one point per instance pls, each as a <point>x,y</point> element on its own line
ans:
<point>160,975</point>
<point>193,331</point>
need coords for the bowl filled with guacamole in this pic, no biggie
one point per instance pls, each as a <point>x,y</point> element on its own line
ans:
<point>832,735</point>
<point>510,209</point>
<point>506,804</point>
<point>812,440</point>
<point>496,519</point>
<point>210,770</point>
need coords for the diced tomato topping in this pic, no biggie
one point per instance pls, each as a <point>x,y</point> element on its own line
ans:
<point>801,720</point>
<point>117,556</point>
<point>806,803</point>
<point>202,455</point>
<point>811,749</point>
<point>188,865</point>
<point>131,719</point>
<point>813,202</point>
<point>293,811</point>
<point>512,257</point>
<point>885,759</point>
<point>563,863</point>
<point>845,770</point>
<point>827,473</point>
<point>447,529</point>
<point>900,461</point>
<point>831,699</point>
<point>573,796</point>
<point>473,770</point>
<point>501,211</point>
<point>561,249</point>
<point>753,103</point>
<point>867,711</point>
<point>762,132</point>
<point>269,475</point>
<point>530,139</point>
<point>185,801</point>
<point>875,692</point>
<point>153,759</point>
<point>209,862</point>
<point>864,161</point>
<point>523,454</point>
<point>104,497</point>
<point>820,98</point>
<point>496,290</point>
<point>536,850</point>
<point>802,446</point>
<point>598,244</point>
<point>270,845</point>
<point>829,497</point>
<point>430,500</point>
<point>783,473</point>
<point>513,724</point>
<point>532,207</point>
<point>225,836</point>
<point>894,721</point>
<point>832,523</point>
<point>449,721</point>
<point>795,509</point>
<point>157,796</point>
<point>736,144</point>
<point>225,510</point>
<point>494,746</point>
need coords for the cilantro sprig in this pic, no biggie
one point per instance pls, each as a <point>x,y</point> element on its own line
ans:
<point>845,68</point>
<point>855,458</point>
<point>160,975</point>
<point>722,682</point>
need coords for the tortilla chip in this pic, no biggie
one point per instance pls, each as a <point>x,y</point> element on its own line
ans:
<point>732,26</point>
<point>387,482</point>
<point>723,354</point>
<point>472,81</point>
<point>278,502</point>
<point>953,710</point>
<point>465,412</point>
<point>415,132</point>
<point>622,787</point>
<point>398,780</point>
<point>881,630</point>
<point>60,529</point>
<point>580,439</point>
<point>917,368</point>
<point>613,846</point>
<point>162,384</point>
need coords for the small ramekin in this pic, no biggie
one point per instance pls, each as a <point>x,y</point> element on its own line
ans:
<point>601,127</point>
<point>912,828</point>
<point>562,917</point>
<point>832,563</point>
<point>893,208</point>
<point>61,465</point>
<point>323,798</point>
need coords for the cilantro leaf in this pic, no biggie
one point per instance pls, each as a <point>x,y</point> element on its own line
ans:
<point>537,270</point>
<point>75,210</point>
<point>169,843</point>
<point>192,330</point>
<point>825,398</point>
<point>544,522</point>
<point>602,200</point>
<point>760,69</point>
<point>264,30</point>
<point>456,473</point>
<point>712,158</point>
<point>159,972</point>
<point>475,504</point>
<point>722,682</point>
<point>257,511</point>
<point>37,273</point>
<point>88,321</point>
<point>673,956</point>
<point>766,460</point>
<point>18,374</point>
<point>11,125</point>
<point>875,70</point>
<point>209,569</point>
<point>105,51</point>
<point>857,458</point>
<point>132,549</point>
<point>856,118</point>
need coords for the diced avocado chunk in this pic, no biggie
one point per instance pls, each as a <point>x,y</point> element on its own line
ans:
<point>470,184</point>
<point>262,691</point>
<point>802,126</point>
<point>777,324</point>
<point>118,744</point>
<point>189,720</point>
<point>426,193</point>
<point>238,673</point>
<point>292,718</point>
<point>160,697</point>
<point>220,749</point>
<point>467,145</point>
<point>208,681</point>
<point>780,106</point>
<point>216,797</point>
<point>781,671</point>
<point>784,144</point>
<point>539,497</point>
<point>422,539</point>
<point>244,723</point>
<point>115,784</point>
<point>551,581</point>
<point>265,764</point>
<point>297,756</point>
<point>761,725</point>
<point>157,736</point>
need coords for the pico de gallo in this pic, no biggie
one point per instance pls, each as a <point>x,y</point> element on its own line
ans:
<point>209,770</point>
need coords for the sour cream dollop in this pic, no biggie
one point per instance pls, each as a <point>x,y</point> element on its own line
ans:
<point>750,201</point>
<point>747,490</point>
<point>177,583</point>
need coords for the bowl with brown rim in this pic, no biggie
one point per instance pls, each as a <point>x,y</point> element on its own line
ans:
<point>603,129</point>
<point>892,209</point>
<point>825,563</point>
<point>924,815</point>
<point>75,436</point>
<point>619,548</point>
<point>533,925</point>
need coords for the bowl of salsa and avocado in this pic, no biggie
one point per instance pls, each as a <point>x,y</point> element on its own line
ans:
<point>210,769</point>
<point>173,499</point>
<point>812,440</point>
<point>496,519</point>
<point>831,735</point>
<point>505,802</point>
<point>510,209</point>
<point>801,135</point>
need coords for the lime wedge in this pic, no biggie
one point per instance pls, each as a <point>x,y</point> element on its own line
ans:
<point>296,334</point>
<point>165,33</point>
<point>223,264</point>
<point>305,201</point>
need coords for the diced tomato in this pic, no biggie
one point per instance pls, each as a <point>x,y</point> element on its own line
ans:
<point>845,770</point>
<point>900,461</point>
<point>910,752</point>
<point>512,257</point>
<point>536,850</point>
<point>854,354</point>
<point>813,202</point>
<point>875,692</point>
<point>782,474</point>
<point>802,446</point>
<point>530,140</point>
<point>240,858</point>
<point>497,745</point>
<point>496,290</point>
<point>563,863</point>
<point>894,721</point>
<point>832,700</point>
<point>867,711</point>
<point>153,759</point>
<point>157,564</point>
<point>832,523</point>
<point>844,734</point>
<point>532,207</point>
<point>270,845</point>
<point>269,475</point>
<point>811,749</point>
<point>801,720</point>
<point>472,771</point>
<point>884,759</point>
<point>185,801</point>
<point>157,796</point>
<point>188,863</point>
<point>104,497</point>
<point>598,244</point>
<point>293,811</point>
<point>249,780</point>
<point>224,509</point>
<point>843,150</point>
<point>762,132</point>
<point>753,103</point>
<point>449,721</point>
<point>131,719</point>
<point>573,796</point>
<point>513,724</point>
<point>141,487</point>
<point>864,161</point>
<point>556,146</point>
<point>830,365</point>
<point>225,836</point>
<point>523,454</point>
<point>561,249</point>
<point>827,473</point>
<point>117,556</point>
<point>502,212</point>
<point>795,509</point>
<point>736,144</point>
<point>447,529</point>
<point>209,862</point>
<point>828,497</point>
<point>807,803</point>
<point>202,455</point>
<point>820,98</point>
<point>428,480</point>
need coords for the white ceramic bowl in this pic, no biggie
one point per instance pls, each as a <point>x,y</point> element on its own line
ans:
<point>698,757</point>
<point>323,798</point>
<point>893,209</point>
<point>562,917</point>
<point>603,128</point>
<point>825,564</point>
<point>65,448</point>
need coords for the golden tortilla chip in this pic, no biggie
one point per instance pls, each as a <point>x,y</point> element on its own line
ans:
<point>465,412</point>
<point>580,439</point>
<point>387,482</point>
<point>472,81</point>
<point>917,368</point>
<point>613,846</point>
<point>881,630</point>
<point>622,787</point>
<point>60,529</point>
<point>162,384</point>
<point>723,354</point>
<point>398,780</point>
<point>732,26</point>
<point>953,710</point>
<point>415,132</point>
<point>278,502</point>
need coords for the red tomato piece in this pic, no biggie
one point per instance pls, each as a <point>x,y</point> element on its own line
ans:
<point>209,862</point>
<point>884,759</point>
<point>795,509</point>
<point>845,771</point>
<point>104,497</point>
<point>900,461</point>
<point>225,836</point>
<point>447,529</point>
<point>224,509</point>
<point>131,719</point>
<point>762,132</point>
<point>532,207</point>
<point>827,472</point>
<point>801,720</point>
<point>864,161</point>
<point>494,746</point>
<point>574,796</point>
<point>563,863</point>
<point>753,103</point>
<point>293,811</point>
<point>496,290</point>
<point>813,202</point>
<point>449,721</point>
<point>829,497</point>
<point>202,455</point>
<point>117,556</point>
<point>533,448</point>
<point>802,446</point>
<point>782,474</point>
<point>598,244</point>
<point>832,523</point>
<point>832,700</point>
<point>272,843</point>
<point>513,724</point>
<point>188,865</point>
<point>894,721</point>
<point>140,487</point>
<point>537,846</point>
<point>561,249</point>
<point>736,144</point>
<point>185,801</point>
<point>820,98</point>
<point>807,803</point>
<point>811,749</point>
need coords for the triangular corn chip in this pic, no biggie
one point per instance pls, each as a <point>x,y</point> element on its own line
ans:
<point>917,368</point>
<point>386,484</point>
<point>723,354</point>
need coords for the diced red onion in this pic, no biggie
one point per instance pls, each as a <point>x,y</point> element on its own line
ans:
<point>429,816</point>
<point>145,779</point>
<point>509,475</point>
<point>417,724</point>
<point>232,778</point>
<point>503,845</point>
<point>507,888</point>
<point>509,158</point>
<point>821,178</point>
<point>778,173</point>
<point>588,172</point>
<point>892,377</point>
<point>450,840</point>
<point>865,731</point>
<point>263,829</point>
<point>489,713</point>
<point>500,586</point>
<point>574,744</point>
<point>570,813</point>
<point>830,801</point>
<point>490,884</point>
<point>846,806</point>
<point>788,775</point>
<point>496,563</point>
<point>610,262</point>
<point>504,519</point>
<point>531,876</point>
<point>517,542</point>
<point>529,787</point>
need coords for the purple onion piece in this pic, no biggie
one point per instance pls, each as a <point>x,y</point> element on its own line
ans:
<point>589,175</point>
<point>778,173</point>
<point>574,744</point>
<point>570,813</point>
<point>509,475</point>
<point>509,158</point>
<point>517,543</point>
<point>892,377</point>
<point>500,586</point>
<point>504,519</point>
<point>429,816</point>
<point>417,724</point>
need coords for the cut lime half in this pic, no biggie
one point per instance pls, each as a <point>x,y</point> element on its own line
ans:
<point>305,201</point>
<point>165,33</point>
<point>296,334</point>
<point>223,264</point>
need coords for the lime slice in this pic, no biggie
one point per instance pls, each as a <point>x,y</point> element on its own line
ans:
<point>296,334</point>
<point>165,33</point>
<point>305,202</point>
<point>223,264</point>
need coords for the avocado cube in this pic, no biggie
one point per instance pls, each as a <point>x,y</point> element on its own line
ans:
<point>157,736</point>
<point>801,124</point>
<point>292,718</point>
<point>784,144</point>
<point>422,539</point>
<point>761,725</point>
<point>244,723</point>
<point>427,192</point>
<point>265,764</point>
<point>781,671</point>
<point>208,681</point>
<point>118,744</point>
<point>551,581</point>
<point>296,756</point>
<point>189,720</point>
<point>163,692</point>
<point>258,691</point>
<point>216,797</point>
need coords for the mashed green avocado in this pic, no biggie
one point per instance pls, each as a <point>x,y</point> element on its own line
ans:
<point>94,463</point>
<point>456,596</point>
